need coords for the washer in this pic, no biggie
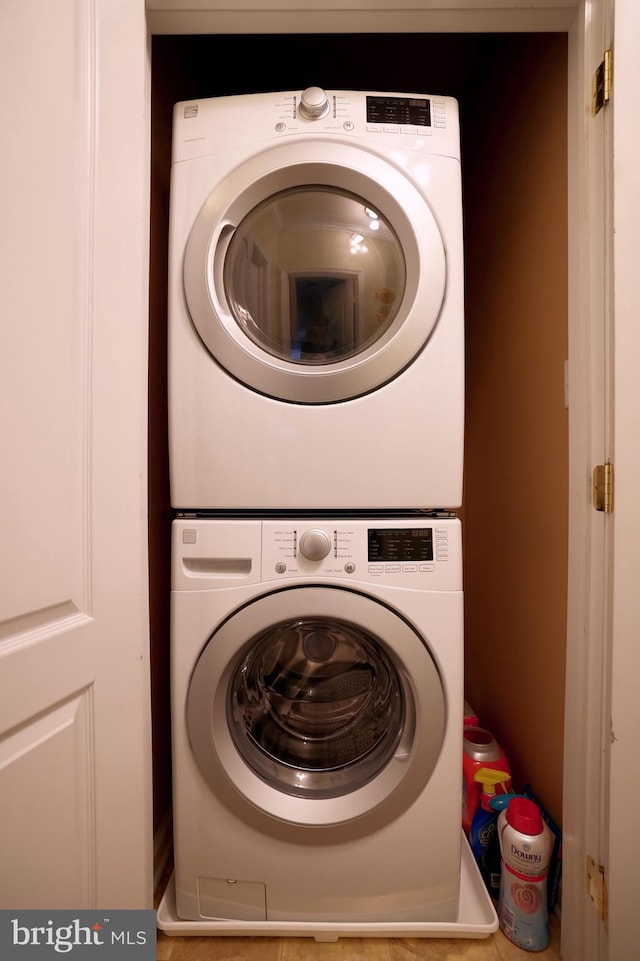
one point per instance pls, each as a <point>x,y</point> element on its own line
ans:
<point>316,354</point>
<point>316,702</point>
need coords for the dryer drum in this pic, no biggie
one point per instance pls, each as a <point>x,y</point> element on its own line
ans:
<point>314,696</point>
<point>321,308</point>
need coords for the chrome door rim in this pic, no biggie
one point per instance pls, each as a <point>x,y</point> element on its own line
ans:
<point>324,164</point>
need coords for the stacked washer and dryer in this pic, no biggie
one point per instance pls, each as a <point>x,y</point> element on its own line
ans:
<point>316,399</point>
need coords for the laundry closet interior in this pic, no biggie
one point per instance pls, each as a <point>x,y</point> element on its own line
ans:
<point>512,92</point>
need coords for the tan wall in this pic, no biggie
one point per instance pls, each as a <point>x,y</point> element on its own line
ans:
<point>515,513</point>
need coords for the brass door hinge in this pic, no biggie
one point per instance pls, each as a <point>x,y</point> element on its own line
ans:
<point>597,888</point>
<point>601,83</point>
<point>603,488</point>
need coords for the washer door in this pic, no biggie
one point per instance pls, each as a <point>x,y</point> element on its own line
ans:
<point>315,717</point>
<point>315,272</point>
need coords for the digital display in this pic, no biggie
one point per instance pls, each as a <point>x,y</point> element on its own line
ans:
<point>400,544</point>
<point>406,110</point>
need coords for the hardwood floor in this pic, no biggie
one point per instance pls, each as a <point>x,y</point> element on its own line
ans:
<point>494,948</point>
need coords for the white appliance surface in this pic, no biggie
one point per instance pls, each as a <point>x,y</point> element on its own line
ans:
<point>316,345</point>
<point>317,709</point>
<point>476,918</point>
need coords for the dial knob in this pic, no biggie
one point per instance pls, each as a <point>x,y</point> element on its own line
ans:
<point>314,544</point>
<point>314,103</point>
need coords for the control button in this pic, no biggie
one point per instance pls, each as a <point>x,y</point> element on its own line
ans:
<point>314,103</point>
<point>280,567</point>
<point>376,569</point>
<point>349,125</point>
<point>442,556</point>
<point>409,568</point>
<point>392,568</point>
<point>281,126</point>
<point>314,544</point>
<point>425,568</point>
<point>349,567</point>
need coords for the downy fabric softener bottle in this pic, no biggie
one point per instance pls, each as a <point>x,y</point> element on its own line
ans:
<point>526,844</point>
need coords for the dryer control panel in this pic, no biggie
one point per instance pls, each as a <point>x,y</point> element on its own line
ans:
<point>411,121</point>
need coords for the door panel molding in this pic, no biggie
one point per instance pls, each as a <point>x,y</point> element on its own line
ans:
<point>32,759</point>
<point>74,687</point>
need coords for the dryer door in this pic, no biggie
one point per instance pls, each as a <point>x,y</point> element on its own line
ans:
<point>315,272</point>
<point>316,718</point>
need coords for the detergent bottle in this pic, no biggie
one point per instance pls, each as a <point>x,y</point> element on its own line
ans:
<point>483,832</point>
<point>479,750</point>
<point>526,844</point>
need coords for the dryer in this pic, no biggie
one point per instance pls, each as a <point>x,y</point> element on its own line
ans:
<point>316,354</point>
<point>316,709</point>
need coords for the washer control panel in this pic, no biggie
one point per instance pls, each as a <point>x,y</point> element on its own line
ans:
<point>408,553</point>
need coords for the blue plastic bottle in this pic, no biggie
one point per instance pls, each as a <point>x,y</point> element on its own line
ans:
<point>482,834</point>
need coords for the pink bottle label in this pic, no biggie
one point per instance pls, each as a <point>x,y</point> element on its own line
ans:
<point>523,910</point>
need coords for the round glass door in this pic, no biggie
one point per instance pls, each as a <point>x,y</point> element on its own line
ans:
<point>313,275</point>
<point>315,272</point>
<point>316,707</point>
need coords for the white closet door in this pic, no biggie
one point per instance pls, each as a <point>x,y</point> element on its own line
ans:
<point>75,781</point>
<point>624,781</point>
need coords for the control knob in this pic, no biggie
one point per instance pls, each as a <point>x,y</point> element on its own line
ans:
<point>314,544</point>
<point>314,103</point>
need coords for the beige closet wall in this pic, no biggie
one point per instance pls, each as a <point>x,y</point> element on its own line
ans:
<point>516,471</point>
